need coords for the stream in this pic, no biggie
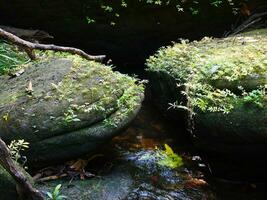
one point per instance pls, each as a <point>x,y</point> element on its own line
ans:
<point>126,169</point>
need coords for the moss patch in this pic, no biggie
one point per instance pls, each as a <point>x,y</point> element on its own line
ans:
<point>78,103</point>
<point>217,74</point>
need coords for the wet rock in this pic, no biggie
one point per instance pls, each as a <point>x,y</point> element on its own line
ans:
<point>73,106</point>
<point>148,191</point>
<point>218,88</point>
<point>113,186</point>
<point>147,163</point>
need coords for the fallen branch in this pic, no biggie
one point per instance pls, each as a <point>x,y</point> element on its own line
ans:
<point>252,20</point>
<point>24,188</point>
<point>30,47</point>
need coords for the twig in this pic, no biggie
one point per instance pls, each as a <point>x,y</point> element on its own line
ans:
<point>29,47</point>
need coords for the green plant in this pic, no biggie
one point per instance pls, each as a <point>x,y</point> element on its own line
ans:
<point>113,9</point>
<point>255,97</point>
<point>15,148</point>
<point>55,195</point>
<point>210,72</point>
<point>70,116</point>
<point>110,123</point>
<point>10,58</point>
<point>168,158</point>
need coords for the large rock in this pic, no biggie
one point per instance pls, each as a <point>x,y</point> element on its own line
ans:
<point>218,87</point>
<point>76,105</point>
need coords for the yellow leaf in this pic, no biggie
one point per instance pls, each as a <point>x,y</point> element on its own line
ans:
<point>5,117</point>
<point>168,149</point>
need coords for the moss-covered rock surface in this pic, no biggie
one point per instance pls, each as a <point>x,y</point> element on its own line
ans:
<point>63,105</point>
<point>221,86</point>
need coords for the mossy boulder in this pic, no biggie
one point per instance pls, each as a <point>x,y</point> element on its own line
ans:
<point>218,87</point>
<point>73,107</point>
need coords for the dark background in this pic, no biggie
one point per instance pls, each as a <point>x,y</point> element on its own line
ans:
<point>139,31</point>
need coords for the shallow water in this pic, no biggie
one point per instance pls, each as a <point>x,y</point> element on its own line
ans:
<point>127,168</point>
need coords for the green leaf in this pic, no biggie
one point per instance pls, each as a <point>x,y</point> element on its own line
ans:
<point>168,149</point>
<point>49,195</point>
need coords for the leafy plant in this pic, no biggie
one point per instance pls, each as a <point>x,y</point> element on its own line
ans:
<point>110,123</point>
<point>256,97</point>
<point>15,148</point>
<point>208,76</point>
<point>169,158</point>
<point>113,9</point>
<point>55,195</point>
<point>10,58</point>
<point>70,116</point>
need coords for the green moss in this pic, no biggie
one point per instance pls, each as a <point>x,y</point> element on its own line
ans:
<point>219,74</point>
<point>80,91</point>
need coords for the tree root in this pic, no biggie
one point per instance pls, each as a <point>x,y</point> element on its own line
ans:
<point>24,188</point>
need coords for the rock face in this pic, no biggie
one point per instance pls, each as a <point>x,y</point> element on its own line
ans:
<point>75,106</point>
<point>218,87</point>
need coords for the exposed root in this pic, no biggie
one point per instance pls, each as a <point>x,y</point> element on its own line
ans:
<point>24,187</point>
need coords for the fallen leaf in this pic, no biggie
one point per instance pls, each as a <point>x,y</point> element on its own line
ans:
<point>79,165</point>
<point>195,182</point>
<point>29,88</point>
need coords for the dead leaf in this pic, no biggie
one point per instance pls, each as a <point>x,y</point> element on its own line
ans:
<point>79,165</point>
<point>195,182</point>
<point>29,88</point>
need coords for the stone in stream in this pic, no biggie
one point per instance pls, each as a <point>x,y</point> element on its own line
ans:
<point>65,106</point>
<point>217,87</point>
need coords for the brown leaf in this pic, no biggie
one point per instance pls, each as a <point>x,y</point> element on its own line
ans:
<point>29,88</point>
<point>195,182</point>
<point>79,165</point>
